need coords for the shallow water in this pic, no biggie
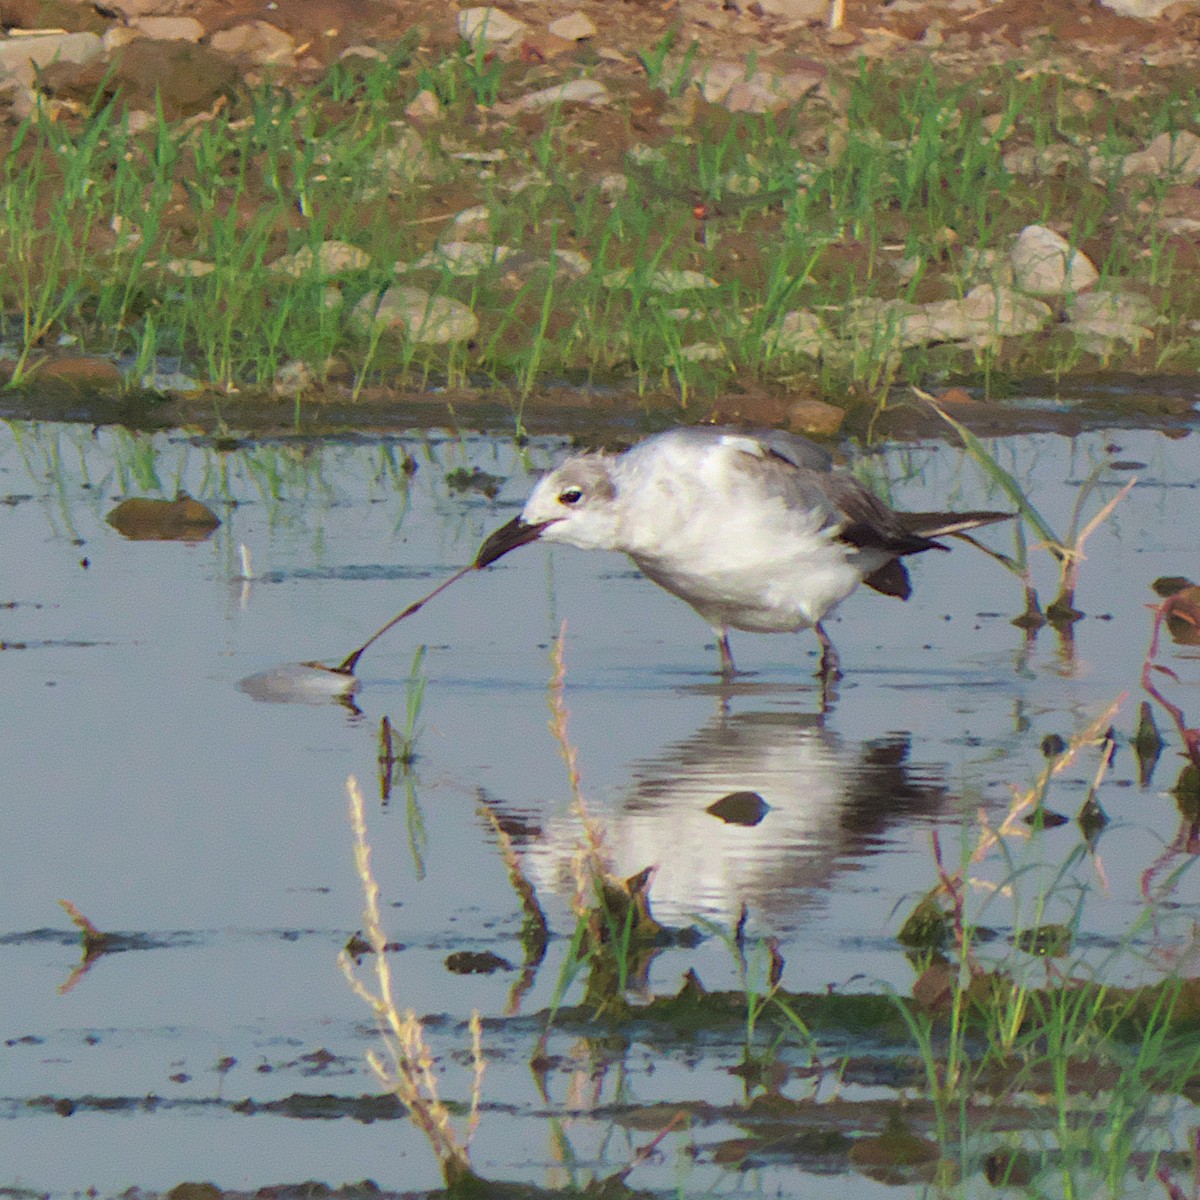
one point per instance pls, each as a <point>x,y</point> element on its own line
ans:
<point>165,802</point>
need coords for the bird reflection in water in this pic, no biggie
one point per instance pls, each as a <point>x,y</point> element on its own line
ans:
<point>801,804</point>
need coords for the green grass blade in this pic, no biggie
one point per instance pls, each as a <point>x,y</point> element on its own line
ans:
<point>998,475</point>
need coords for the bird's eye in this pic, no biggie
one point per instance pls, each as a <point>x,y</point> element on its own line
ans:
<point>571,495</point>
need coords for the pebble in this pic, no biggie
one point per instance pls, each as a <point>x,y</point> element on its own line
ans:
<point>427,320</point>
<point>488,26</point>
<point>1044,263</point>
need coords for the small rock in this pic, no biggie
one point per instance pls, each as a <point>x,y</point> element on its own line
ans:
<point>294,377</point>
<point>169,29</point>
<point>985,314</point>
<point>188,268</point>
<point>575,27</point>
<point>545,47</point>
<point>330,258</point>
<point>118,36</point>
<point>476,219</point>
<point>718,78</point>
<point>87,371</point>
<point>613,187</point>
<point>182,519</point>
<point>574,91</point>
<point>666,279</point>
<point>1146,10</point>
<point>799,332</point>
<point>807,11</point>
<point>1045,264</point>
<point>426,319</point>
<point>1003,312</point>
<point>424,106</point>
<point>739,808</point>
<point>702,352</point>
<point>459,258</point>
<point>258,41</point>
<point>764,92</point>
<point>1102,319</point>
<point>575,261</point>
<point>131,9</point>
<point>1041,162</point>
<point>1175,155</point>
<point>815,417</point>
<point>488,26</point>
<point>406,160</point>
<point>368,53</point>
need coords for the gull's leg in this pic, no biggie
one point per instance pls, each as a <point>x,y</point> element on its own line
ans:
<point>830,668</point>
<point>728,670</point>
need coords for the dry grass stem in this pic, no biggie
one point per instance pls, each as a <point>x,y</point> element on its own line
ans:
<point>409,1074</point>
<point>570,754</point>
<point>1023,802</point>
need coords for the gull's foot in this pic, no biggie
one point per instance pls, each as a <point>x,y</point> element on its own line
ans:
<point>829,669</point>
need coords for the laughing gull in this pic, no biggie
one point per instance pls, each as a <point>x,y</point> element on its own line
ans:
<point>755,530</point>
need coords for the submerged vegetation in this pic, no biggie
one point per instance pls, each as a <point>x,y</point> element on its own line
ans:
<point>295,241</point>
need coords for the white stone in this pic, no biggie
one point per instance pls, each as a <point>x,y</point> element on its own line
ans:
<point>459,258</point>
<point>476,219</point>
<point>427,320</point>
<point>1102,319</point>
<point>1045,264</point>
<point>169,29</point>
<point>116,36</point>
<point>331,258</point>
<point>1177,156</point>
<point>718,78</point>
<point>1003,312</point>
<point>666,279</point>
<point>984,315</point>
<point>575,262</point>
<point>424,106</point>
<point>292,377</point>
<point>1146,10</point>
<point>796,10</point>
<point>613,187</point>
<point>574,91</point>
<point>20,56</point>
<point>488,26</point>
<point>360,50</point>
<point>764,92</point>
<point>1048,160</point>
<point>799,332</point>
<point>574,27</point>
<point>701,352</point>
<point>259,41</point>
<point>189,268</point>
<point>406,159</point>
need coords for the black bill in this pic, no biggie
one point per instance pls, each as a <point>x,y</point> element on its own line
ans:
<point>508,537</point>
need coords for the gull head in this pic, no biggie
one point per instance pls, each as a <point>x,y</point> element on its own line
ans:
<point>574,505</point>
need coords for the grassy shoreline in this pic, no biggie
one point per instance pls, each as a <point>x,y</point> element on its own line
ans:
<point>648,243</point>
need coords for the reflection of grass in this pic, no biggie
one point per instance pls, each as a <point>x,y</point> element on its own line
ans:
<point>160,241</point>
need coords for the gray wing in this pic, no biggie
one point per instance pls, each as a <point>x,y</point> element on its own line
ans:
<point>803,474</point>
<point>790,447</point>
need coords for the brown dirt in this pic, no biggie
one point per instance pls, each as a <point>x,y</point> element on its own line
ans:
<point>1079,38</point>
